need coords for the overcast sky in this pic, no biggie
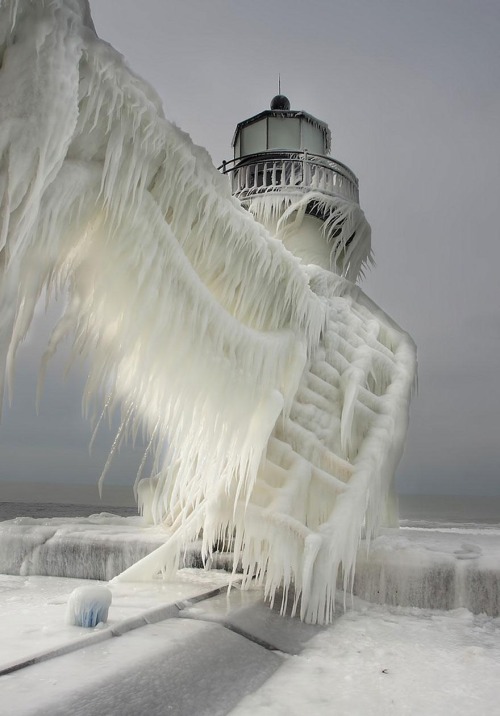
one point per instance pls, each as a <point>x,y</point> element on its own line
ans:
<point>411,92</point>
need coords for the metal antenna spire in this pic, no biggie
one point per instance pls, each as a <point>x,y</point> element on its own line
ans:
<point>279,82</point>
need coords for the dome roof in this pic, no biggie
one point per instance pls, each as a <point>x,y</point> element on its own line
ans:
<point>280,102</point>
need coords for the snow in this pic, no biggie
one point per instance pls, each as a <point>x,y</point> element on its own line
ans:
<point>380,661</point>
<point>373,659</point>
<point>32,614</point>
<point>178,667</point>
<point>278,392</point>
<point>158,661</point>
<point>98,547</point>
<point>432,568</point>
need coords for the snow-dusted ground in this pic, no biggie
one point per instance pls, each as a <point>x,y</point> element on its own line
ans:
<point>178,655</point>
<point>32,609</point>
<point>135,664</point>
<point>372,660</point>
<point>378,660</point>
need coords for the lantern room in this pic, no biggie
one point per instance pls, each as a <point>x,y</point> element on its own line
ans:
<point>281,128</point>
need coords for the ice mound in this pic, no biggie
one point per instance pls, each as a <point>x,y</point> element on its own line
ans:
<point>88,606</point>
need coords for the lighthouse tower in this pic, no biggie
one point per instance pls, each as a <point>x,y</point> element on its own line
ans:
<point>282,172</point>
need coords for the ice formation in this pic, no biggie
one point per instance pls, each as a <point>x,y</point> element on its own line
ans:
<point>278,392</point>
<point>284,215</point>
<point>88,606</point>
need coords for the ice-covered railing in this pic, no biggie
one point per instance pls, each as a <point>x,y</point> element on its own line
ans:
<point>291,172</point>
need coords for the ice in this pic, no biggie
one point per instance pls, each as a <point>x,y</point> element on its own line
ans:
<point>88,606</point>
<point>88,549</point>
<point>379,661</point>
<point>32,613</point>
<point>433,569</point>
<point>342,241</point>
<point>97,547</point>
<point>409,661</point>
<point>178,666</point>
<point>278,392</point>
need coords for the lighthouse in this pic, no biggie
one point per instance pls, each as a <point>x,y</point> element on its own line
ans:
<point>283,173</point>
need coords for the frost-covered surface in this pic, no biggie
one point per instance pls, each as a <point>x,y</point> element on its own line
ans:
<point>88,606</point>
<point>202,328</point>
<point>435,569</point>
<point>380,661</point>
<point>371,660</point>
<point>328,472</point>
<point>97,547</point>
<point>33,609</point>
<point>344,228</point>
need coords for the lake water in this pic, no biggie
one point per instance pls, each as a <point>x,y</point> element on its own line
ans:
<point>440,511</point>
<point>9,510</point>
<point>42,500</point>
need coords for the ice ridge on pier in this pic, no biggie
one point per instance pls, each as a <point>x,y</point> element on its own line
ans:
<point>280,391</point>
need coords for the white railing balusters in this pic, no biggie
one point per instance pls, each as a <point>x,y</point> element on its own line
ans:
<point>300,172</point>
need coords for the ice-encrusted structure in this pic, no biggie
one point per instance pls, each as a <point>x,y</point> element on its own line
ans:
<point>342,245</point>
<point>278,392</point>
<point>88,606</point>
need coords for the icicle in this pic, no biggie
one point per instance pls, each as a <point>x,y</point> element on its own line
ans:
<point>346,232</point>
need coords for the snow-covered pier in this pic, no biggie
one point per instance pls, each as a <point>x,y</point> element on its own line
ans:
<point>189,645</point>
<point>432,569</point>
<point>425,568</point>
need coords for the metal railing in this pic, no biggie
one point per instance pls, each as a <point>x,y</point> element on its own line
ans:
<point>282,171</point>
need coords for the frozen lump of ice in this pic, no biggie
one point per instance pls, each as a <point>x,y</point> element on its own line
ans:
<point>88,606</point>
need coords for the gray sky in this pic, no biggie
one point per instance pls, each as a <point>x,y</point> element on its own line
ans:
<point>411,91</point>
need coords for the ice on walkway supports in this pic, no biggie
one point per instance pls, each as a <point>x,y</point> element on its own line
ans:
<point>280,390</point>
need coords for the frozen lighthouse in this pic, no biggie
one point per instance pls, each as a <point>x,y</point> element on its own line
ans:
<point>282,172</point>
<point>328,476</point>
<point>272,392</point>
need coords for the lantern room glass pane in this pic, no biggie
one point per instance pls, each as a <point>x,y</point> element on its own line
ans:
<point>313,138</point>
<point>284,133</point>
<point>253,138</point>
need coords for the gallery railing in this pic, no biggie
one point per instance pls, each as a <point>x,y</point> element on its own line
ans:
<point>283,171</point>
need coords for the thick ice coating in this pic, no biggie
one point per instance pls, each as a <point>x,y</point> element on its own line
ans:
<point>279,395</point>
<point>88,606</point>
